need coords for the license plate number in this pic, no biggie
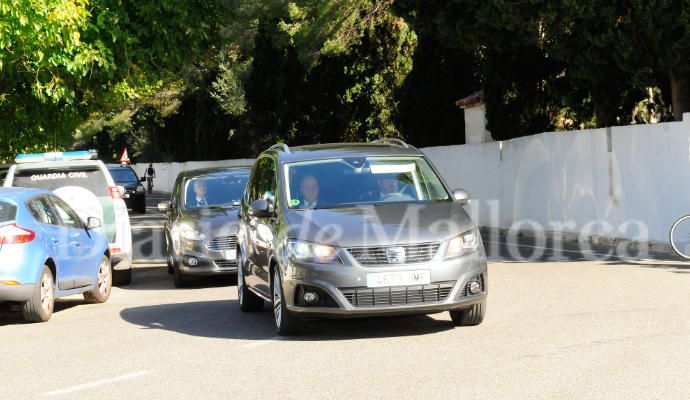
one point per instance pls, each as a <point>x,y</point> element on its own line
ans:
<point>404,278</point>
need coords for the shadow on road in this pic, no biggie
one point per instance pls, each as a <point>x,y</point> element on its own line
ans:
<point>223,319</point>
<point>157,278</point>
<point>11,314</point>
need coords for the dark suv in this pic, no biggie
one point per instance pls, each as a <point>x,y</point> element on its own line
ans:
<point>135,193</point>
<point>349,230</point>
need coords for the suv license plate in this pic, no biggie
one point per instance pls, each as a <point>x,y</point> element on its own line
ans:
<point>405,278</point>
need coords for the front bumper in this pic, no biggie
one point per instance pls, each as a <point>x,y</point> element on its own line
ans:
<point>208,263</point>
<point>336,280</point>
<point>19,293</point>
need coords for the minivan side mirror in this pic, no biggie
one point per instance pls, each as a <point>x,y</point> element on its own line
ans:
<point>93,223</point>
<point>164,206</point>
<point>261,208</point>
<point>461,196</point>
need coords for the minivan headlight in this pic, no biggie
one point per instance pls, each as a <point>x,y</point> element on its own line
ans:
<point>313,252</point>
<point>463,244</point>
<point>190,234</point>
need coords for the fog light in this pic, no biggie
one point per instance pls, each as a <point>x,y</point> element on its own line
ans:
<point>311,297</point>
<point>474,287</point>
<point>192,261</point>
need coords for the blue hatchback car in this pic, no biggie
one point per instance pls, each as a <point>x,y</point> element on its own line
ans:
<point>47,251</point>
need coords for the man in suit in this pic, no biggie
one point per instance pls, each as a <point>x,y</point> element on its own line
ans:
<point>309,189</point>
<point>200,191</point>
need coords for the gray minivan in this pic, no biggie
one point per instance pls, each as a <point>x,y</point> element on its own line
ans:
<point>350,230</point>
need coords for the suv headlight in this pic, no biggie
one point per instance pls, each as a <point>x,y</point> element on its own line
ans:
<point>188,233</point>
<point>463,244</point>
<point>140,189</point>
<point>313,252</point>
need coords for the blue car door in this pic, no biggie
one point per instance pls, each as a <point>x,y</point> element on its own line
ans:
<point>80,242</point>
<point>57,239</point>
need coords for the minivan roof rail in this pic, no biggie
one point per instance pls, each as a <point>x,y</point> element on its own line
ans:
<point>392,141</point>
<point>280,146</point>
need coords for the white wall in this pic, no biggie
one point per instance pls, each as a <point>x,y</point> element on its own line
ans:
<point>560,178</point>
<point>639,188</point>
<point>166,173</point>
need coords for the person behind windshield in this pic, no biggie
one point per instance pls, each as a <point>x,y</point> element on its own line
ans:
<point>200,190</point>
<point>309,189</point>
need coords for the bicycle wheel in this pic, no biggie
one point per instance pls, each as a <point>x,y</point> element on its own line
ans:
<point>680,237</point>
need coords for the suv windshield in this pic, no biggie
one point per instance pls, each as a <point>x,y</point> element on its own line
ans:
<point>123,174</point>
<point>362,180</point>
<point>8,211</point>
<point>217,189</point>
<point>88,177</point>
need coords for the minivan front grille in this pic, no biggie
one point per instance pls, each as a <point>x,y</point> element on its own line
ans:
<point>398,296</point>
<point>229,264</point>
<point>414,253</point>
<point>222,243</point>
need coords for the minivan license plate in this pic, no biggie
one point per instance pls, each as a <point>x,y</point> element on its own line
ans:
<point>405,278</point>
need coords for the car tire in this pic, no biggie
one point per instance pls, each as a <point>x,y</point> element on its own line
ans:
<point>122,277</point>
<point>104,283</point>
<point>249,302</point>
<point>40,306</point>
<point>471,316</point>
<point>287,323</point>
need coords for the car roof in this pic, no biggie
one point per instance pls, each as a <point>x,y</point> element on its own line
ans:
<point>19,193</point>
<point>337,150</point>
<point>58,164</point>
<point>215,170</point>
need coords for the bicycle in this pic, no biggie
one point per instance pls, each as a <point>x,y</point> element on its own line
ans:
<point>680,237</point>
<point>149,183</point>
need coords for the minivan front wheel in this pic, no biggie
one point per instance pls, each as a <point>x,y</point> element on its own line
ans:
<point>287,323</point>
<point>471,316</point>
<point>248,300</point>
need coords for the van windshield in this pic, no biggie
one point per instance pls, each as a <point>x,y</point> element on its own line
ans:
<point>91,178</point>
<point>351,181</point>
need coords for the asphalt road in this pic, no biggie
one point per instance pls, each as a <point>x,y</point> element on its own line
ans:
<point>557,328</point>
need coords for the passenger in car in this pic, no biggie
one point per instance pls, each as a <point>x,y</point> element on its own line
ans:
<point>309,189</point>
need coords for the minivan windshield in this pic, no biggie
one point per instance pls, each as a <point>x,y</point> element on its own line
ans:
<point>348,181</point>
<point>215,190</point>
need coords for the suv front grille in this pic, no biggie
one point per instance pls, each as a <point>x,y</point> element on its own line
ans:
<point>398,296</point>
<point>222,243</point>
<point>414,253</point>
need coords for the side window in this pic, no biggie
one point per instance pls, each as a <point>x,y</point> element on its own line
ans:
<point>264,183</point>
<point>176,201</point>
<point>67,215</point>
<point>40,209</point>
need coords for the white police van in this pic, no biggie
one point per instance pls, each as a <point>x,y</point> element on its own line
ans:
<point>85,183</point>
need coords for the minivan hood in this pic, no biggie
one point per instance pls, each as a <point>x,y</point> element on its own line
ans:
<point>217,222</point>
<point>380,225</point>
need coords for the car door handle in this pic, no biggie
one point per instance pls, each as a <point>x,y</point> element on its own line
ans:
<point>55,241</point>
<point>77,244</point>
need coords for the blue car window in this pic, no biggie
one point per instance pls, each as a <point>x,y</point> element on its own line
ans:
<point>7,211</point>
<point>67,215</point>
<point>42,212</point>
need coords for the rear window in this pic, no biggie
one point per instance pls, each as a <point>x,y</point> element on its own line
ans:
<point>90,178</point>
<point>123,175</point>
<point>8,211</point>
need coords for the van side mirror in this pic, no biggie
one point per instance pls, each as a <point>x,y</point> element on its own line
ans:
<point>261,208</point>
<point>461,196</point>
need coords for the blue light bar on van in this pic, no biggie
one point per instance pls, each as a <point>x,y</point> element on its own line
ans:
<point>57,156</point>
